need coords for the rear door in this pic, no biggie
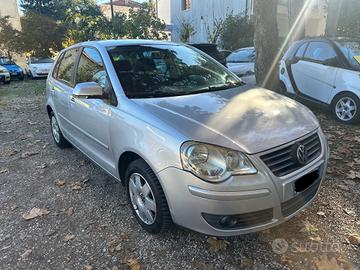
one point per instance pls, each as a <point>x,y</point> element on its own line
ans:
<point>91,117</point>
<point>315,73</point>
<point>61,87</point>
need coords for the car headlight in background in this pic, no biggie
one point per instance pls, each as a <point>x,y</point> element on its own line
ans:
<point>214,163</point>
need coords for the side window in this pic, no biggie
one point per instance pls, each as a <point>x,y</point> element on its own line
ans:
<point>301,51</point>
<point>56,68</point>
<point>66,66</point>
<point>320,52</point>
<point>91,69</point>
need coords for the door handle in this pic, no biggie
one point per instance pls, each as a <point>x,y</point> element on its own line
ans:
<point>72,99</point>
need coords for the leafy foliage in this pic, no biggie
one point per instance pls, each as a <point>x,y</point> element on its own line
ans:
<point>187,30</point>
<point>8,38</point>
<point>237,32</point>
<point>50,25</point>
<point>143,23</point>
<point>215,33</point>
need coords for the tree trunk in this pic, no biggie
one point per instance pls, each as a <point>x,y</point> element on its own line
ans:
<point>266,43</point>
<point>332,20</point>
<point>295,8</point>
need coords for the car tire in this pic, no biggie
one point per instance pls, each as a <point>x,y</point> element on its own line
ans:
<point>146,198</point>
<point>8,82</point>
<point>282,88</point>
<point>56,133</point>
<point>346,108</point>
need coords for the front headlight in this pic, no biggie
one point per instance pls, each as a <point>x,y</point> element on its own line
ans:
<point>213,163</point>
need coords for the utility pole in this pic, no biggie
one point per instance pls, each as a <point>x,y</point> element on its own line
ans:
<point>112,9</point>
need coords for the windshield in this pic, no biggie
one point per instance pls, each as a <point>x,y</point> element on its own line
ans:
<point>35,60</point>
<point>242,56</point>
<point>168,70</point>
<point>6,61</point>
<point>351,50</point>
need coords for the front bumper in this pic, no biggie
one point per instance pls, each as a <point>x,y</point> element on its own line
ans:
<point>5,77</point>
<point>16,74</point>
<point>40,74</point>
<point>259,201</point>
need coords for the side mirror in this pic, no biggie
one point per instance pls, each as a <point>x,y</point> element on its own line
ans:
<point>89,90</point>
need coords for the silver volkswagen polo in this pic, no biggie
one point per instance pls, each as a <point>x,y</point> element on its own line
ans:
<point>192,145</point>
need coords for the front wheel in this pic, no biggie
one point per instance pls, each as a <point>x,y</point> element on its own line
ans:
<point>56,133</point>
<point>146,198</point>
<point>345,108</point>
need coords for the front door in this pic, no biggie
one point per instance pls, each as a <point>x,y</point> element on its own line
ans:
<point>315,73</point>
<point>91,117</point>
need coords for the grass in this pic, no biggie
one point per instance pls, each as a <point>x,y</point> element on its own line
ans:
<point>25,88</point>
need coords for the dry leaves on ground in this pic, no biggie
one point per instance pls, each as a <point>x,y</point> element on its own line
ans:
<point>133,264</point>
<point>309,228</point>
<point>35,212</point>
<point>59,183</point>
<point>70,211</point>
<point>325,263</point>
<point>88,267</point>
<point>26,254</point>
<point>354,239</point>
<point>69,237</point>
<point>217,245</point>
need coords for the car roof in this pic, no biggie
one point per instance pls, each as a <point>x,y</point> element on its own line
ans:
<point>123,42</point>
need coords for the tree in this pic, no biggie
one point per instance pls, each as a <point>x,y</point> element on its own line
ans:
<point>297,19</point>
<point>144,23</point>
<point>84,21</point>
<point>343,18</point>
<point>237,32</point>
<point>54,9</point>
<point>187,30</point>
<point>214,33</point>
<point>40,35</point>
<point>8,38</point>
<point>266,42</point>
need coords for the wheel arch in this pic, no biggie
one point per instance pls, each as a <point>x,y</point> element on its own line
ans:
<point>49,110</point>
<point>341,93</point>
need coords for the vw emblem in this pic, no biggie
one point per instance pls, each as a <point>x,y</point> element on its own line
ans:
<point>301,154</point>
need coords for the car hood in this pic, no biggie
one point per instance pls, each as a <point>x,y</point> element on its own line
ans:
<point>12,67</point>
<point>249,120</point>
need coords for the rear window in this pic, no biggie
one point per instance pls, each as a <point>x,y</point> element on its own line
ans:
<point>242,56</point>
<point>66,66</point>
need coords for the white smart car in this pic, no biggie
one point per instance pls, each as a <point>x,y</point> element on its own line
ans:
<point>39,67</point>
<point>327,72</point>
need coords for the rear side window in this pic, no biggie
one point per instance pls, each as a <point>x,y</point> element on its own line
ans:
<point>66,66</point>
<point>320,52</point>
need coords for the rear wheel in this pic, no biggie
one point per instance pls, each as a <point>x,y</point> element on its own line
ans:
<point>146,198</point>
<point>345,108</point>
<point>57,135</point>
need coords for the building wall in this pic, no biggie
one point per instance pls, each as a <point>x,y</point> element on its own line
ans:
<point>202,14</point>
<point>10,8</point>
<point>106,10</point>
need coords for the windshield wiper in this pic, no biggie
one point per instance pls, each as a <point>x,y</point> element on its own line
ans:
<point>226,86</point>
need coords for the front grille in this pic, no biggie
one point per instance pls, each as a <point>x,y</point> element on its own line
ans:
<point>284,161</point>
<point>240,221</point>
<point>291,206</point>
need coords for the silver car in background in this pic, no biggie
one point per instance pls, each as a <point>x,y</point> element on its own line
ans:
<point>192,145</point>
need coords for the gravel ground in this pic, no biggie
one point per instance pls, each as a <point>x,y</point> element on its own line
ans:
<point>81,218</point>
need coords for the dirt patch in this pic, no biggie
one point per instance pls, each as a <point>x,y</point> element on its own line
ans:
<point>60,211</point>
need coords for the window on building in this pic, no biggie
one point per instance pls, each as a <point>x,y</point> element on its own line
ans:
<point>186,4</point>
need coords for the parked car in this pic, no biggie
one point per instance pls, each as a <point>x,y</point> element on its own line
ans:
<point>325,71</point>
<point>15,70</point>
<point>4,75</point>
<point>242,62</point>
<point>189,141</point>
<point>38,67</point>
<point>212,50</point>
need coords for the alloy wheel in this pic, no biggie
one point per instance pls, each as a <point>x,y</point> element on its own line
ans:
<point>345,109</point>
<point>142,198</point>
<point>55,129</point>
